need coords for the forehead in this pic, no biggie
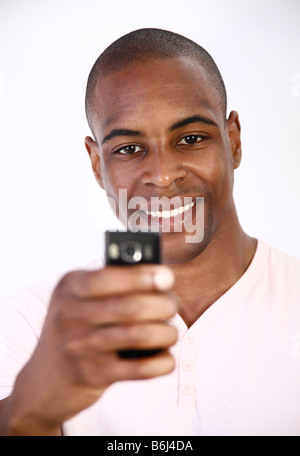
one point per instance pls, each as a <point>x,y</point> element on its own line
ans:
<point>171,88</point>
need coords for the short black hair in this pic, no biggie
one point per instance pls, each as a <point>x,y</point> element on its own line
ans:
<point>150,43</point>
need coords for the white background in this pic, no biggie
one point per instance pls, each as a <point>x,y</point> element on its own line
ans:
<point>52,212</point>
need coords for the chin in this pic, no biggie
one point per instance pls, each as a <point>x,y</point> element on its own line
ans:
<point>175,249</point>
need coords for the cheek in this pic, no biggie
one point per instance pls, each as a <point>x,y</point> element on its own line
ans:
<point>224,181</point>
<point>217,179</point>
<point>116,181</point>
<point>216,171</point>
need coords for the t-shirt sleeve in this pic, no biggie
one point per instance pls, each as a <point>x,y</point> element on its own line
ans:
<point>21,319</point>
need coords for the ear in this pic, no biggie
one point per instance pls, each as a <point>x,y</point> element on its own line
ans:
<point>234,135</point>
<point>93,151</point>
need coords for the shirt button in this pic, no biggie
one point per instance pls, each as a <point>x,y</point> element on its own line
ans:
<point>187,390</point>
<point>188,338</point>
<point>187,366</point>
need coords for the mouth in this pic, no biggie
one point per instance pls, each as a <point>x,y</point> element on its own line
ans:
<point>172,213</point>
<point>159,217</point>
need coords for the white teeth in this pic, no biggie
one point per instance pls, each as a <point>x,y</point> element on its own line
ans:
<point>172,213</point>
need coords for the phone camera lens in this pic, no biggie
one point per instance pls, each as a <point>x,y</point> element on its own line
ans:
<point>131,252</point>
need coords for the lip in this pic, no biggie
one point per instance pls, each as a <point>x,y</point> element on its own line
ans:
<point>157,203</point>
<point>165,214</point>
<point>168,220</point>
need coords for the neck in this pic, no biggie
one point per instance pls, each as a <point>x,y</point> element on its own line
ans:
<point>201,281</point>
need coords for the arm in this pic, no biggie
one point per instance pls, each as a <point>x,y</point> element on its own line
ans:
<point>91,316</point>
<point>8,427</point>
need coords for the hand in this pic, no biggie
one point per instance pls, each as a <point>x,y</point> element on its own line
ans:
<point>91,317</point>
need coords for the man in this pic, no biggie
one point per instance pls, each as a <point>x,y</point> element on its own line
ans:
<point>224,310</point>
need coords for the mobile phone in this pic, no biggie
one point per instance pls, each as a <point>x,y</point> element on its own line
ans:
<point>128,248</point>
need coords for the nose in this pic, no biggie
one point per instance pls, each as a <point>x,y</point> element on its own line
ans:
<point>163,167</point>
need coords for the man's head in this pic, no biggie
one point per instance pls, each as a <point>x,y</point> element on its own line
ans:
<point>143,45</point>
<point>156,104</point>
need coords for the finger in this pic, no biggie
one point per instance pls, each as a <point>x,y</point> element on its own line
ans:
<point>123,309</point>
<point>109,368</point>
<point>116,338</point>
<point>113,280</point>
<point>153,366</point>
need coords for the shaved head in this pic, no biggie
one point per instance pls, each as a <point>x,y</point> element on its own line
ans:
<point>146,44</point>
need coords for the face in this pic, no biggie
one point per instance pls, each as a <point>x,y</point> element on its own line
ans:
<point>161,133</point>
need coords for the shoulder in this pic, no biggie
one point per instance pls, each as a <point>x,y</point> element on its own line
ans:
<point>31,303</point>
<point>281,270</point>
<point>280,261</point>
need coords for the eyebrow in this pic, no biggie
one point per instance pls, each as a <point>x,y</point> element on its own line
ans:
<point>120,132</point>
<point>193,119</point>
<point>116,132</point>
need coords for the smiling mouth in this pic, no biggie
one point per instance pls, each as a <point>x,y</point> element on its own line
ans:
<point>172,213</point>
<point>187,216</point>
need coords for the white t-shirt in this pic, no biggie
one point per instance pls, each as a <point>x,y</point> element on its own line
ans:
<point>238,365</point>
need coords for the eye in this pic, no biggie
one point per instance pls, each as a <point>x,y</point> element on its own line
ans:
<point>191,139</point>
<point>129,150</point>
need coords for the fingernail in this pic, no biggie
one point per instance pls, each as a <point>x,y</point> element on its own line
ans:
<point>163,279</point>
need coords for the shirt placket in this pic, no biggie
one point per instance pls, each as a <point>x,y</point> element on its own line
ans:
<point>187,371</point>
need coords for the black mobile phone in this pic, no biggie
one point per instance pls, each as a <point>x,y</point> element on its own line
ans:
<point>128,248</point>
<point>125,247</point>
